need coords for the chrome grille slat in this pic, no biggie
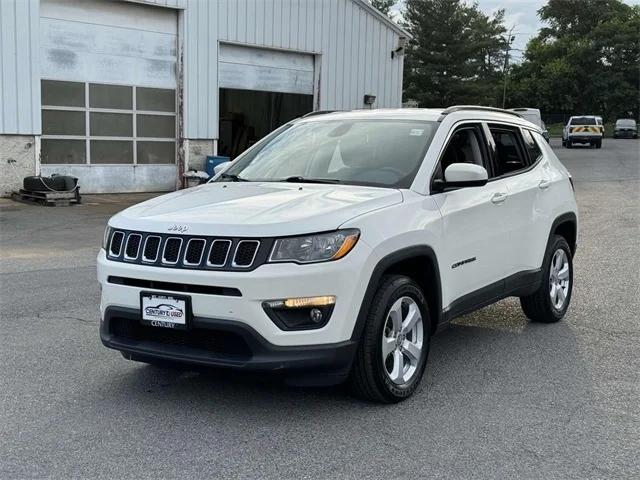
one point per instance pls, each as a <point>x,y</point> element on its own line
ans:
<point>245,254</point>
<point>195,249</point>
<point>132,247</point>
<point>174,250</point>
<point>116,244</point>
<point>151,248</point>
<point>219,249</point>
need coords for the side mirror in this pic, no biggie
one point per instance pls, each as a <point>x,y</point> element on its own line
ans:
<point>458,175</point>
<point>220,168</point>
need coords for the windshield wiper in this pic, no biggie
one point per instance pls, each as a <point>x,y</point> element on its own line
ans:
<point>233,177</point>
<point>299,179</point>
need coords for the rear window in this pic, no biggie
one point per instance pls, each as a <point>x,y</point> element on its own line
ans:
<point>583,121</point>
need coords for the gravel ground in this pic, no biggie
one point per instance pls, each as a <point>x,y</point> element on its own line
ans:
<point>501,398</point>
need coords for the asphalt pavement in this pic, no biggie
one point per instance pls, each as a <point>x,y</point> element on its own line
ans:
<point>502,397</point>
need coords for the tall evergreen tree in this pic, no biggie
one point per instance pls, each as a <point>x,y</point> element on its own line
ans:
<point>456,55</point>
<point>586,60</point>
<point>383,5</point>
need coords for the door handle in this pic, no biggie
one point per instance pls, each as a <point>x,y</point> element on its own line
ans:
<point>499,197</point>
<point>544,184</point>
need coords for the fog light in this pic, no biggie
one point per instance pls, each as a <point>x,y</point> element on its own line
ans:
<point>315,315</point>
<point>300,313</point>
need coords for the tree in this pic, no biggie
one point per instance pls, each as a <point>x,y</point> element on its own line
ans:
<point>584,61</point>
<point>383,5</point>
<point>456,54</point>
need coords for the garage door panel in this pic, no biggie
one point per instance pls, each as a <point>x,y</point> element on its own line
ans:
<point>248,68</point>
<point>72,50</point>
<point>250,77</point>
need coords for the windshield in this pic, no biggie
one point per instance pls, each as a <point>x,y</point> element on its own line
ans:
<point>626,122</point>
<point>385,153</point>
<point>583,121</point>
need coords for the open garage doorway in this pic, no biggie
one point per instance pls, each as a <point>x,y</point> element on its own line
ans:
<point>248,115</point>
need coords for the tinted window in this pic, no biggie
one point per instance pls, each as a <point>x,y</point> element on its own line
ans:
<point>509,154</point>
<point>360,152</point>
<point>583,121</point>
<point>531,146</point>
<point>464,146</point>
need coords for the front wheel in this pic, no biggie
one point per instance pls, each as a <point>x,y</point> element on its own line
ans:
<point>550,302</point>
<point>392,353</point>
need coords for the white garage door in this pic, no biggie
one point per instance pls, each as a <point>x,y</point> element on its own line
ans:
<point>249,68</point>
<point>108,74</point>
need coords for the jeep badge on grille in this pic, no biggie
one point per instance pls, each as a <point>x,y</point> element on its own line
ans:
<point>178,228</point>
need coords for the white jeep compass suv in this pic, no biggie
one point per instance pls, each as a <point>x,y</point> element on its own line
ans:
<point>333,249</point>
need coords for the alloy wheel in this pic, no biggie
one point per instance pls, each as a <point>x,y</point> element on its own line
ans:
<point>402,340</point>
<point>559,279</point>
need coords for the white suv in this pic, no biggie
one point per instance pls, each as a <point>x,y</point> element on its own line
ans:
<point>335,247</point>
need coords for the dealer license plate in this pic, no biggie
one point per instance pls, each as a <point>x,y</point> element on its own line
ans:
<point>166,311</point>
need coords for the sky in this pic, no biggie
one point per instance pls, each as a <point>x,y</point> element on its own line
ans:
<point>519,13</point>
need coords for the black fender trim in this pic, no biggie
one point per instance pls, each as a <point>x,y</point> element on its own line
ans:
<point>383,265</point>
<point>568,217</point>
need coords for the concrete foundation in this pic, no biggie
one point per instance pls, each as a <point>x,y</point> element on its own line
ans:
<point>197,151</point>
<point>17,160</point>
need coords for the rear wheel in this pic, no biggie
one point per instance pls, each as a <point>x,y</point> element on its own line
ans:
<point>392,353</point>
<point>550,302</point>
<point>599,144</point>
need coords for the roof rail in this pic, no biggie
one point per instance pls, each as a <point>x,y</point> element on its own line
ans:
<point>459,108</point>
<point>319,112</point>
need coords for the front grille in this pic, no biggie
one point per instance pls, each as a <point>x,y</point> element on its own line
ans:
<point>245,253</point>
<point>220,342</point>
<point>188,251</point>
<point>172,250</point>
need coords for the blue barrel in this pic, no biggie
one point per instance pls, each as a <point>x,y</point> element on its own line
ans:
<point>213,161</point>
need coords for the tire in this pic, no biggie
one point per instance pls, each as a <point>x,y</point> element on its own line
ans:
<point>599,144</point>
<point>374,378</point>
<point>539,306</point>
<point>569,144</point>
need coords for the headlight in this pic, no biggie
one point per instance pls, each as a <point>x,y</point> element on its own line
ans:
<point>319,247</point>
<point>105,238</point>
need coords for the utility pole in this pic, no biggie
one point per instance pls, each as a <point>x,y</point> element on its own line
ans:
<point>510,40</point>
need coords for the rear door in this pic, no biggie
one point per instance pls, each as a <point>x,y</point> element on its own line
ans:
<point>517,161</point>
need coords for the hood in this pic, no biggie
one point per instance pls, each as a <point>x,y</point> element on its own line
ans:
<point>256,209</point>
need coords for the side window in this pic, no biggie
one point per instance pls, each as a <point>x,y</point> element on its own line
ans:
<point>509,154</point>
<point>466,145</point>
<point>532,147</point>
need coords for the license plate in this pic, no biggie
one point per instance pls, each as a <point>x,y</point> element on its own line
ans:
<point>164,310</point>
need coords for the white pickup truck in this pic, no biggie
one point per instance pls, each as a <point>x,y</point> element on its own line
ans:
<point>583,129</point>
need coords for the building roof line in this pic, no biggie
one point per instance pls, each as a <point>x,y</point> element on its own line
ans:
<point>385,19</point>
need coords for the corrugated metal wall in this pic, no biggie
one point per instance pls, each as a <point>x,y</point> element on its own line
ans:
<point>353,46</point>
<point>19,73</point>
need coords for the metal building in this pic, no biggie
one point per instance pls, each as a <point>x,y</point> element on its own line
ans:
<point>126,95</point>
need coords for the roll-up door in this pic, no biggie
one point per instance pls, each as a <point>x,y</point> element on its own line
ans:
<point>248,68</point>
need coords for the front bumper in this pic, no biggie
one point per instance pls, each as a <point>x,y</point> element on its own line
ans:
<point>228,344</point>
<point>625,134</point>
<point>346,279</point>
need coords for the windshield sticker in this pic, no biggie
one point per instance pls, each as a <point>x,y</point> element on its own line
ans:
<point>416,132</point>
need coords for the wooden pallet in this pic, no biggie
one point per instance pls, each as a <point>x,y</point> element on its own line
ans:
<point>47,198</point>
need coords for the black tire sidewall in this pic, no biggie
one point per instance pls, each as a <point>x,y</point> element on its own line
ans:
<point>557,243</point>
<point>385,298</point>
